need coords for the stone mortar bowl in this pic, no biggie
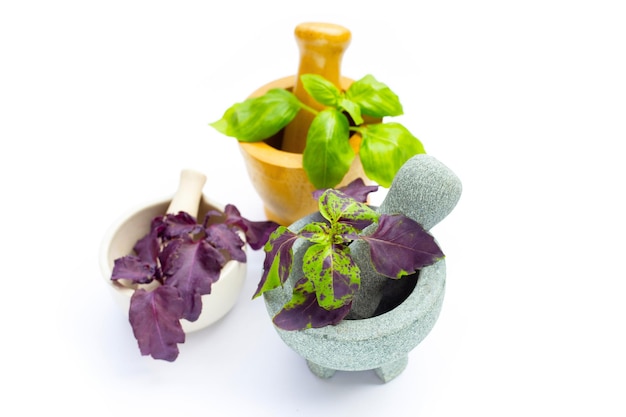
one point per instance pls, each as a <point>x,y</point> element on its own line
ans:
<point>426,191</point>
<point>381,343</point>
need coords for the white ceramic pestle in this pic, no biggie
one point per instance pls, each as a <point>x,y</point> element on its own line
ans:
<point>189,193</point>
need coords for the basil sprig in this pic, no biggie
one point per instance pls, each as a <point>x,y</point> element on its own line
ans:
<point>327,156</point>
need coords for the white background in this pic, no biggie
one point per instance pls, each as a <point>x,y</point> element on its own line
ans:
<point>102,103</point>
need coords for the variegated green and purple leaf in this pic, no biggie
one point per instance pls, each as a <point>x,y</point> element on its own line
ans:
<point>303,310</point>
<point>278,260</point>
<point>400,246</point>
<point>335,276</point>
<point>346,230</point>
<point>334,205</point>
<point>316,232</point>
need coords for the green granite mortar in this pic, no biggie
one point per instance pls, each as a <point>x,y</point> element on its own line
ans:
<point>427,191</point>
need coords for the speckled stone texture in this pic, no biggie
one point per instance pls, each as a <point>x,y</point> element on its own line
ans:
<point>426,191</point>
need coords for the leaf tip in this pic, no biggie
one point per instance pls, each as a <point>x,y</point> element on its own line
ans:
<point>220,125</point>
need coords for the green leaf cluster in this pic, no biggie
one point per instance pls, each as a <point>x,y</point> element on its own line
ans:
<point>327,157</point>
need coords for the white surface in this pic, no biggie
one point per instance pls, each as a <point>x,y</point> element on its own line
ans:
<point>102,103</point>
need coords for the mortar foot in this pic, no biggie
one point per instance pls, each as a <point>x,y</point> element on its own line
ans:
<point>391,370</point>
<point>320,371</point>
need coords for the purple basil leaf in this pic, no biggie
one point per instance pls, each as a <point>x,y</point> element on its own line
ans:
<point>318,193</point>
<point>303,311</point>
<point>400,246</point>
<point>147,248</point>
<point>277,251</point>
<point>221,217</point>
<point>356,189</point>
<point>212,213</point>
<point>231,212</point>
<point>223,237</point>
<point>134,269</point>
<point>257,232</point>
<point>155,319</point>
<point>191,267</point>
<point>177,225</point>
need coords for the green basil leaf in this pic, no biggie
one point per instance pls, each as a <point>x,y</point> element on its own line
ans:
<point>385,148</point>
<point>322,90</point>
<point>353,110</point>
<point>259,118</point>
<point>374,98</point>
<point>327,155</point>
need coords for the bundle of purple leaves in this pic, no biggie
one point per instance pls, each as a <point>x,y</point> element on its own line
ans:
<point>176,263</point>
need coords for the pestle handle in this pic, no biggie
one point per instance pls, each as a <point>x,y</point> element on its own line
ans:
<point>425,190</point>
<point>321,48</point>
<point>189,192</point>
